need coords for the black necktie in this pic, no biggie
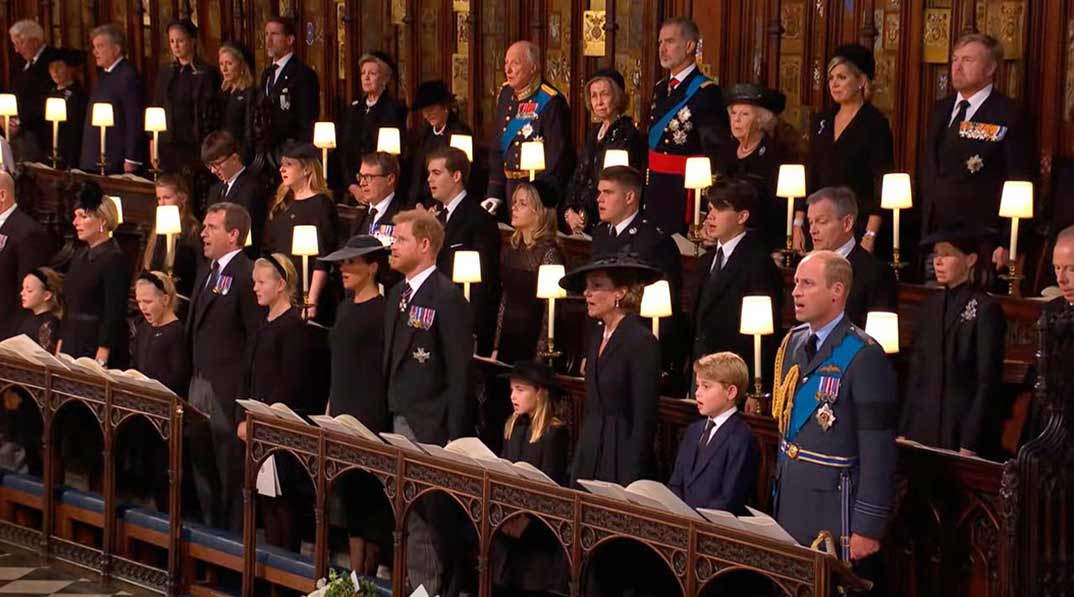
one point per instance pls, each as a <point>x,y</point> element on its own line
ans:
<point>404,297</point>
<point>442,215</point>
<point>960,116</point>
<point>270,79</point>
<point>811,348</point>
<point>717,264</point>
<point>372,219</point>
<point>706,433</point>
<point>214,276</point>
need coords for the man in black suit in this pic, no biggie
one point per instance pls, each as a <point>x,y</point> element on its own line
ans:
<point>428,348</point>
<point>467,227</point>
<point>290,89</point>
<point>978,139</point>
<point>223,318</point>
<point>377,179</point>
<point>831,213</point>
<point>24,245</point>
<point>118,84</point>
<point>737,264</point>
<point>31,84</point>
<point>687,119</point>
<point>221,154</point>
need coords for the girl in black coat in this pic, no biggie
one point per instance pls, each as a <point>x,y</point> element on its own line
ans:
<point>954,390</point>
<point>42,291</point>
<point>173,189</point>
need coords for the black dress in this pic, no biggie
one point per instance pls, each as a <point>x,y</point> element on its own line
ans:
<point>69,133</point>
<point>859,159</point>
<point>953,399</point>
<point>42,328</point>
<point>238,107</point>
<point>582,188</point>
<point>535,561</point>
<point>188,93</point>
<point>162,354</point>
<point>418,191</point>
<point>357,342</point>
<point>320,211</point>
<point>361,128</point>
<point>519,334</point>
<point>96,291</point>
<point>760,167</point>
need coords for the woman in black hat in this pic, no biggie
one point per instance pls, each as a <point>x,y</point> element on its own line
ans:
<point>238,96</point>
<point>437,107</point>
<point>852,144</point>
<point>376,108</point>
<point>607,102</point>
<point>303,198</point>
<point>622,373</point>
<point>533,244</point>
<point>953,398</point>
<point>64,69</point>
<point>526,558</point>
<point>755,155</point>
<point>187,89</point>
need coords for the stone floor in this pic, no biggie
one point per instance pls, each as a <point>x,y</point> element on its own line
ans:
<point>21,575</point>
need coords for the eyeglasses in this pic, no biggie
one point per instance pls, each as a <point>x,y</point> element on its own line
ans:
<point>218,163</point>
<point>369,177</point>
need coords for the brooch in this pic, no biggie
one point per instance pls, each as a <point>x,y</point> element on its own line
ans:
<point>421,355</point>
<point>825,417</point>
<point>762,150</point>
<point>527,131</point>
<point>820,129</point>
<point>970,312</point>
<point>974,164</point>
<point>632,230</point>
<point>688,126</point>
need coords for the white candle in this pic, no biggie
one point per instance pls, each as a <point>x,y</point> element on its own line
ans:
<point>103,152</point>
<point>756,355</point>
<point>551,320</point>
<point>55,136</point>
<point>656,327</point>
<point>1014,239</point>
<point>697,208</point>
<point>790,215</point>
<point>466,290</point>
<point>156,148</point>
<point>305,277</point>
<point>170,258</point>
<point>895,228</point>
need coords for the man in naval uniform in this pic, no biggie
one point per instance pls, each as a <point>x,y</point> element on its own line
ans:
<point>687,119</point>
<point>528,109</point>
<point>835,404</point>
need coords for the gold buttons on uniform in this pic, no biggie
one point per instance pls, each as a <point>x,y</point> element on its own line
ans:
<point>792,451</point>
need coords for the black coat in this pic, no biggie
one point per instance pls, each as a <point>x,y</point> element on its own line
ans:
<point>471,228</point>
<point>364,223</point>
<point>24,245</point>
<point>859,159</point>
<point>721,475</point>
<point>718,306</point>
<point>95,292</point>
<point>221,325</point>
<point>180,145</point>
<point>292,104</point>
<point>361,127</point>
<point>417,188</point>
<point>428,369</point>
<point>31,86</point>
<point>279,360</point>
<point>699,128</point>
<point>70,131</point>
<point>238,110</point>
<point>163,354</point>
<point>357,353</point>
<point>956,187</point>
<point>873,288</point>
<point>615,439</point>
<point>953,394</point>
<point>582,189</point>
<point>250,192</point>
<point>761,167</point>
<point>127,139</point>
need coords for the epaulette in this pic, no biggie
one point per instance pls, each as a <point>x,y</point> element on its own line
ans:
<point>707,83</point>
<point>860,333</point>
<point>549,89</point>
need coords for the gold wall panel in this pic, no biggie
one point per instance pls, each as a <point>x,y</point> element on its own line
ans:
<point>937,37</point>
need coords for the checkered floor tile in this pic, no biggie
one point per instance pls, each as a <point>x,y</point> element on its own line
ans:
<point>21,575</point>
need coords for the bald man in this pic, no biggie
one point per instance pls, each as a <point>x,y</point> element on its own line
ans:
<point>24,245</point>
<point>528,109</point>
<point>835,404</point>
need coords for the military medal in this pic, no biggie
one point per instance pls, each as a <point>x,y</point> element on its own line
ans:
<point>679,137</point>
<point>828,389</point>
<point>825,417</point>
<point>421,317</point>
<point>527,111</point>
<point>285,100</point>
<point>673,124</point>
<point>526,131</point>
<point>223,285</point>
<point>421,355</point>
<point>974,164</point>
<point>685,114</point>
<point>981,131</point>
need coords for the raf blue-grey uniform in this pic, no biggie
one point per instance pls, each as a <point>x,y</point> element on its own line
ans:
<point>840,479</point>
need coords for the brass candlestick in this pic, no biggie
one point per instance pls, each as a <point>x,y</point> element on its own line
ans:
<point>896,263</point>
<point>788,253</point>
<point>1013,279</point>
<point>694,236</point>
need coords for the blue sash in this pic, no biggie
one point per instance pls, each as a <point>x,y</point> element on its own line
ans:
<point>808,396</point>
<point>656,130</point>
<point>541,98</point>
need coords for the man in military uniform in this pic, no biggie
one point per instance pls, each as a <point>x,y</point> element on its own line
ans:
<point>978,139</point>
<point>687,119</point>
<point>835,405</point>
<point>289,90</point>
<point>528,109</point>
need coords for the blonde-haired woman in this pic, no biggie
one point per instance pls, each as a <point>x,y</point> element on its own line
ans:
<point>97,285</point>
<point>42,296</point>
<point>238,95</point>
<point>533,244</point>
<point>279,357</point>
<point>174,189</point>
<point>303,198</point>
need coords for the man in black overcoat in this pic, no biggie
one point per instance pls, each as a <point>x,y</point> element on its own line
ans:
<point>31,84</point>
<point>290,90</point>
<point>119,84</point>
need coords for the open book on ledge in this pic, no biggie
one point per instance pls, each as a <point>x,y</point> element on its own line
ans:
<point>278,410</point>
<point>347,425</point>
<point>759,524</point>
<point>22,348</point>
<point>471,451</point>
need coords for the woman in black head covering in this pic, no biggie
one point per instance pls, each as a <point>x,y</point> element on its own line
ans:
<point>437,106</point>
<point>607,101</point>
<point>366,116</point>
<point>852,144</point>
<point>238,96</point>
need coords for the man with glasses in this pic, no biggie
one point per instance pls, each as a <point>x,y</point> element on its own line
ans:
<point>223,157</point>
<point>377,177</point>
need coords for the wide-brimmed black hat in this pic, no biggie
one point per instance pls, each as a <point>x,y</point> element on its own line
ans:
<point>859,56</point>
<point>69,56</point>
<point>747,93</point>
<point>379,55</point>
<point>297,150</point>
<point>624,262</point>
<point>358,246</point>
<point>959,232</point>
<point>432,93</point>
<point>609,73</point>
<point>536,373</point>
<point>89,196</point>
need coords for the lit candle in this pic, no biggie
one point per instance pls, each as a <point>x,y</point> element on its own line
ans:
<point>324,137</point>
<point>304,243</point>
<point>155,122</point>
<point>466,270</point>
<point>698,176</point>
<point>791,184</point>
<point>756,320</point>
<point>895,195</point>
<point>1015,203</point>
<point>548,277</point>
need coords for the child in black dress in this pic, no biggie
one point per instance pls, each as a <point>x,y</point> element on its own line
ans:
<point>41,294</point>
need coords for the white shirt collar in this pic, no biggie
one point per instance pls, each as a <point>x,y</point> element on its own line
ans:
<point>33,60</point>
<point>621,226</point>
<point>847,248</point>
<point>685,72</point>
<point>226,259</point>
<point>114,64</point>
<point>975,101</point>
<point>823,333</point>
<point>7,214</point>
<point>382,206</point>
<point>719,420</point>
<point>231,181</point>
<point>419,279</point>
<point>280,63</point>
<point>729,246</point>
<point>451,205</point>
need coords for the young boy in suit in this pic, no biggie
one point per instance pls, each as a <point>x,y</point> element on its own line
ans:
<point>717,463</point>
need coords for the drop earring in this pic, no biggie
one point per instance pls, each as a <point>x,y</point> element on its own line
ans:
<point>616,302</point>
